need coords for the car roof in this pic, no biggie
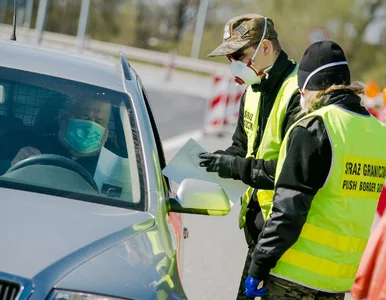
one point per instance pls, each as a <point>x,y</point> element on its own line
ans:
<point>72,66</point>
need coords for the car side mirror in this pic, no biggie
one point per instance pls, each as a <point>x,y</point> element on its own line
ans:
<point>200,197</point>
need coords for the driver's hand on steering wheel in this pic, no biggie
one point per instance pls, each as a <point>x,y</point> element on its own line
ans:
<point>24,153</point>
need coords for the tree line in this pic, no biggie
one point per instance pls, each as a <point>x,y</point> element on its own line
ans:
<point>359,26</point>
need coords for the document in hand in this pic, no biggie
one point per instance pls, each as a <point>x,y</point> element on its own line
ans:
<point>185,164</point>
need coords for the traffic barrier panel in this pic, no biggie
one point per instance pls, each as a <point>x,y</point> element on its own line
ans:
<point>170,65</point>
<point>223,107</point>
<point>373,104</point>
<point>235,93</point>
<point>381,115</point>
<point>216,108</point>
<point>375,100</point>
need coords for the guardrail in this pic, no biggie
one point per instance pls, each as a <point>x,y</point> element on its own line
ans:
<point>25,35</point>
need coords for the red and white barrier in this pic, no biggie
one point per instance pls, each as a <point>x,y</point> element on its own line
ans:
<point>381,115</point>
<point>170,65</point>
<point>373,104</point>
<point>375,101</point>
<point>223,107</point>
<point>235,93</point>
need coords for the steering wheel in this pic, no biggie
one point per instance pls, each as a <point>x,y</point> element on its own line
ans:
<point>57,161</point>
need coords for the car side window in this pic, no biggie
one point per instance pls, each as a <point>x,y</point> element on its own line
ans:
<point>156,134</point>
<point>68,138</point>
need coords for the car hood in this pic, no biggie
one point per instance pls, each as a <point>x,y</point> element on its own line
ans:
<point>138,268</point>
<point>48,236</point>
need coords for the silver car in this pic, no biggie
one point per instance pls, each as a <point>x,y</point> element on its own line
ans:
<point>85,212</point>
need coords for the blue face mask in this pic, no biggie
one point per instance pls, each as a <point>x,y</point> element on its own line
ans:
<point>84,136</point>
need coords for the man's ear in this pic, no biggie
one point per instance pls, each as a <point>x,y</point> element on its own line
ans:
<point>266,46</point>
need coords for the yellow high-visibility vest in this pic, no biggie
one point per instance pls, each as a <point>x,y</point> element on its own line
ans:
<point>271,141</point>
<point>327,254</point>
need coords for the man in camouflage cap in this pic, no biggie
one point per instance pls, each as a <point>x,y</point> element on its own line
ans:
<point>243,37</point>
<point>242,32</point>
<point>268,108</point>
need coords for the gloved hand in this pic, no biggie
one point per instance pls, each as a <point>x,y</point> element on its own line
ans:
<point>220,163</point>
<point>251,289</point>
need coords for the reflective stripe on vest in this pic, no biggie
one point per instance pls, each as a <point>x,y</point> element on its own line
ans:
<point>327,254</point>
<point>270,143</point>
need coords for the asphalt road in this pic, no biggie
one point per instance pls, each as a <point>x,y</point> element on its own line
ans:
<point>176,113</point>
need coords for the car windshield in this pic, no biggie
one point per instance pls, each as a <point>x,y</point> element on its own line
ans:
<point>69,139</point>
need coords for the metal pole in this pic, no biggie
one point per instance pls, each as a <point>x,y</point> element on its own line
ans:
<point>82,25</point>
<point>200,24</point>
<point>41,19</point>
<point>13,36</point>
<point>3,10</point>
<point>28,13</point>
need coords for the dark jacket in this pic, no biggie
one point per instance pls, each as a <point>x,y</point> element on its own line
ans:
<point>50,144</point>
<point>46,144</point>
<point>258,173</point>
<point>304,172</point>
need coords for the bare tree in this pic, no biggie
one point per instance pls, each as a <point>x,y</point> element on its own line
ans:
<point>369,9</point>
<point>185,12</point>
<point>144,23</point>
<point>345,21</point>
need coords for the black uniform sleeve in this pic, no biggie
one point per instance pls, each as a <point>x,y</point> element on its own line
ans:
<point>304,172</point>
<point>292,113</point>
<point>239,146</point>
<point>258,173</point>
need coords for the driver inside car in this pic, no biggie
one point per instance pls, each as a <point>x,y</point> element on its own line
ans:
<point>83,131</point>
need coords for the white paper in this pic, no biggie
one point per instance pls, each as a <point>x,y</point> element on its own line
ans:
<point>186,164</point>
<point>112,176</point>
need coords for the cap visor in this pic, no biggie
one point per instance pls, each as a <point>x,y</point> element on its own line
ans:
<point>227,48</point>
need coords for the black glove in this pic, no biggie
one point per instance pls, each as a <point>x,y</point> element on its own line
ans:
<point>220,163</point>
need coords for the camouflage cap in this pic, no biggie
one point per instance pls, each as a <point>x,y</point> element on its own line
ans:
<point>242,31</point>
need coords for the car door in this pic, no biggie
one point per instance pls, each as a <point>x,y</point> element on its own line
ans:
<point>174,219</point>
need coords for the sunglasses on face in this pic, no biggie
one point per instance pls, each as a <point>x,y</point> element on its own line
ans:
<point>239,54</point>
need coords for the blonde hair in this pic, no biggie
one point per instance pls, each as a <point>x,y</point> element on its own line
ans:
<point>314,99</point>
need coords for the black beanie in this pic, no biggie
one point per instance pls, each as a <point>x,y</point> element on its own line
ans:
<point>320,54</point>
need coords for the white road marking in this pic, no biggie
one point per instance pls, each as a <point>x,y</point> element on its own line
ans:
<point>179,140</point>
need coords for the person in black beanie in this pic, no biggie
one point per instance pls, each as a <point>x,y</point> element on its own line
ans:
<point>330,172</point>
